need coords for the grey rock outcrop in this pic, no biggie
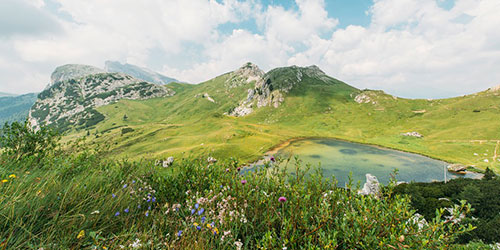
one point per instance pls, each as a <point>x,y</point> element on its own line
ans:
<point>71,102</point>
<point>413,134</point>
<point>371,187</point>
<point>72,71</point>
<point>269,89</point>
<point>457,168</point>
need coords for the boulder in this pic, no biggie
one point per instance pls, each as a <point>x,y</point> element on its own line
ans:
<point>413,134</point>
<point>371,187</point>
<point>457,168</point>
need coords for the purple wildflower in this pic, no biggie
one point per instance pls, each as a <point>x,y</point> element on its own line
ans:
<point>243,182</point>
<point>196,205</point>
<point>272,159</point>
<point>154,199</point>
<point>179,233</point>
<point>192,211</point>
<point>126,210</point>
<point>117,213</point>
<point>149,208</point>
<point>201,211</point>
<point>147,213</point>
<point>198,227</point>
<point>139,206</point>
<point>133,182</point>
<point>203,219</point>
<point>113,195</point>
<point>124,185</point>
<point>238,169</point>
<point>282,199</point>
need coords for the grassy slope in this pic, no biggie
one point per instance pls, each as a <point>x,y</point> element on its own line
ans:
<point>185,124</point>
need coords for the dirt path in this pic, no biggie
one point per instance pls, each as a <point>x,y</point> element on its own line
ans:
<point>495,156</point>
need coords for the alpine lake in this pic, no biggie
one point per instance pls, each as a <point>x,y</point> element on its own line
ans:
<point>341,159</point>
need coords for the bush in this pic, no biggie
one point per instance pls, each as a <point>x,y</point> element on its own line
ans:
<point>20,140</point>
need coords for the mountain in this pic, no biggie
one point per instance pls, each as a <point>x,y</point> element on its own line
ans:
<point>73,71</point>
<point>3,94</point>
<point>138,72</point>
<point>70,101</point>
<point>246,112</point>
<point>15,108</point>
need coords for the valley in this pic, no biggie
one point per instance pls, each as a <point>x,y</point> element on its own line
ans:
<point>196,120</point>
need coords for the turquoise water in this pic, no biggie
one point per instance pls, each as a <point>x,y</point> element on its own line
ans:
<point>339,158</point>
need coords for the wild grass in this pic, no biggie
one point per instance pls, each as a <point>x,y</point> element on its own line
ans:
<point>78,200</point>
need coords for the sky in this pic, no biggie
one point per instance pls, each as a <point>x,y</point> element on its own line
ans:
<point>408,48</point>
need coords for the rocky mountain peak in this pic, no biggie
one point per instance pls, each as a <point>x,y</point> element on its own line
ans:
<point>73,71</point>
<point>138,72</point>
<point>247,73</point>
<point>71,103</point>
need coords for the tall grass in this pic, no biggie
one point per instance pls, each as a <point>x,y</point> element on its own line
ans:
<point>80,201</point>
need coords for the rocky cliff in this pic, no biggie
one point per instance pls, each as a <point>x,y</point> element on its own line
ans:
<point>71,101</point>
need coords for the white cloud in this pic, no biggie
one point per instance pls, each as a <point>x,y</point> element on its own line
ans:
<point>411,48</point>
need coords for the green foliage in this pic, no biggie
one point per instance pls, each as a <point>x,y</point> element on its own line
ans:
<point>481,194</point>
<point>19,140</point>
<point>489,174</point>
<point>75,199</point>
<point>127,130</point>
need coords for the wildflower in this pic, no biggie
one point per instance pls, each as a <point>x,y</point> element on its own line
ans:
<point>139,206</point>
<point>203,219</point>
<point>238,169</point>
<point>133,182</point>
<point>272,159</point>
<point>126,210</point>
<point>196,205</point>
<point>12,176</point>
<point>201,211</point>
<point>147,213</point>
<point>113,195</point>
<point>179,233</point>
<point>282,199</point>
<point>124,185</point>
<point>81,234</point>
<point>198,227</point>
<point>117,213</point>
<point>136,244</point>
<point>243,182</point>
<point>238,244</point>
<point>227,169</point>
<point>4,181</point>
<point>195,224</point>
<point>154,199</point>
<point>149,208</point>
<point>192,211</point>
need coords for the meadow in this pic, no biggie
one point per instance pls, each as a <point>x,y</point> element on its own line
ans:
<point>57,196</point>
<point>460,130</point>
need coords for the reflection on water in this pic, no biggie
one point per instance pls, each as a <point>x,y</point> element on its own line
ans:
<point>339,158</point>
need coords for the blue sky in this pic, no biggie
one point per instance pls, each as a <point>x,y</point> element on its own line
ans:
<point>409,48</point>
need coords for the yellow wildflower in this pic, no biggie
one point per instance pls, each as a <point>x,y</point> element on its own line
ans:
<point>195,224</point>
<point>4,181</point>
<point>12,176</point>
<point>104,248</point>
<point>209,226</point>
<point>81,234</point>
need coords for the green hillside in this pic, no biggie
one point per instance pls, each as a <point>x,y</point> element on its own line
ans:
<point>462,130</point>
